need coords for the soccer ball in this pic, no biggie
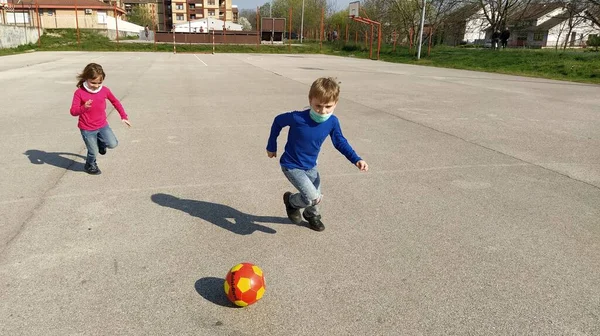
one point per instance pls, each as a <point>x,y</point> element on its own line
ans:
<point>244,284</point>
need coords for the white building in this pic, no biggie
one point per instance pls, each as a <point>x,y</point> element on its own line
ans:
<point>205,25</point>
<point>539,26</point>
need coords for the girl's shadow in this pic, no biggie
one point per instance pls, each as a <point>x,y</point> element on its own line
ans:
<point>56,159</point>
<point>221,215</point>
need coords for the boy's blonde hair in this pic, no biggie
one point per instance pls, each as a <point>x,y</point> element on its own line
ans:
<point>325,89</point>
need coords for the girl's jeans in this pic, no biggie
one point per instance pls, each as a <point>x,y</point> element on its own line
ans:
<point>308,182</point>
<point>100,138</point>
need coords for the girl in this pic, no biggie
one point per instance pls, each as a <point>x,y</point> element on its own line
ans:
<point>89,104</point>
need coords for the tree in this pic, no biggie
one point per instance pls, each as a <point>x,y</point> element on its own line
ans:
<point>141,15</point>
<point>246,26</point>
<point>250,15</point>
<point>594,41</point>
<point>496,12</point>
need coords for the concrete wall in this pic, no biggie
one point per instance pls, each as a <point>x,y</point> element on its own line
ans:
<point>11,36</point>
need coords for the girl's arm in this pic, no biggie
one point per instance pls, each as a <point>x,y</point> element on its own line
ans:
<point>117,104</point>
<point>78,105</point>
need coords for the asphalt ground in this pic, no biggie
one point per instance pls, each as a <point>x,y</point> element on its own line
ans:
<point>480,213</point>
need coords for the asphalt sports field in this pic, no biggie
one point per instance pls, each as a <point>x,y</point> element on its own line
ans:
<point>479,215</point>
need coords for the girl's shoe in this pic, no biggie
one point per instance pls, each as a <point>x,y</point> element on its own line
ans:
<point>92,169</point>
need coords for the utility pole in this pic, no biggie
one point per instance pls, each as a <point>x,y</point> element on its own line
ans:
<point>302,24</point>
<point>421,30</point>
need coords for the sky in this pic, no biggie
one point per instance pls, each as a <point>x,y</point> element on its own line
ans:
<point>254,3</point>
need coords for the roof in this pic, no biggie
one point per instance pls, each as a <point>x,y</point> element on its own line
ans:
<point>533,11</point>
<point>464,13</point>
<point>66,4</point>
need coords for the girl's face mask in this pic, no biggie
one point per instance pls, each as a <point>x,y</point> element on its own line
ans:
<point>320,111</point>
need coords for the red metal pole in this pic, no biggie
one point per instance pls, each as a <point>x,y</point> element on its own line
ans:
<point>430,37</point>
<point>346,33</point>
<point>322,28</point>
<point>379,41</point>
<point>371,47</point>
<point>77,24</point>
<point>290,32</point>
<point>258,34</point>
<point>395,39</point>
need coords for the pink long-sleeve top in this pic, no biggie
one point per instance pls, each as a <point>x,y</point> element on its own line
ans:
<point>94,117</point>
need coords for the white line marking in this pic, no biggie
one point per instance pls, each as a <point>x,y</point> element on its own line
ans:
<point>200,60</point>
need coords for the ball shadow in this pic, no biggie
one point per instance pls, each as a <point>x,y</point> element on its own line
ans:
<point>211,289</point>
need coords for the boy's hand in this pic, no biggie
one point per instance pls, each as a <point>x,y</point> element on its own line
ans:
<point>271,154</point>
<point>126,122</point>
<point>362,165</point>
<point>88,103</point>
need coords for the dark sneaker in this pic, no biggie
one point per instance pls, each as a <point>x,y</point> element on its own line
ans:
<point>292,213</point>
<point>101,147</point>
<point>91,169</point>
<point>315,223</point>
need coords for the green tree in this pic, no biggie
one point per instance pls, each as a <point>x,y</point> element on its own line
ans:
<point>594,41</point>
<point>141,15</point>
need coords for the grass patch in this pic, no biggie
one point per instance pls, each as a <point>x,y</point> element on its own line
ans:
<point>575,66</point>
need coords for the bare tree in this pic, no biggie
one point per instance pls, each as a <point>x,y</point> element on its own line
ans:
<point>496,12</point>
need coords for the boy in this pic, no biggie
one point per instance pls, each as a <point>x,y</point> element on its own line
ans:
<point>308,130</point>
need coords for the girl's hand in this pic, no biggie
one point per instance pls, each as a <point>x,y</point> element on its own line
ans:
<point>88,103</point>
<point>362,165</point>
<point>126,122</point>
<point>271,154</point>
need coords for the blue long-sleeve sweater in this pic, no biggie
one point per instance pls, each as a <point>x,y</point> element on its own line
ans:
<point>305,138</point>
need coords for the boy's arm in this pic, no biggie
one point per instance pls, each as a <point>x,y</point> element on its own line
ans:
<point>341,144</point>
<point>282,120</point>
<point>117,104</point>
<point>77,106</point>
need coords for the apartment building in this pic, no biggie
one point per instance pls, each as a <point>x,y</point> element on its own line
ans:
<point>179,11</point>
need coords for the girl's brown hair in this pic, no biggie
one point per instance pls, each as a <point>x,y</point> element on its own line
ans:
<point>90,71</point>
<point>326,89</point>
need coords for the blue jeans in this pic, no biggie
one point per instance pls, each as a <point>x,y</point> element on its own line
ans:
<point>100,138</point>
<point>308,183</point>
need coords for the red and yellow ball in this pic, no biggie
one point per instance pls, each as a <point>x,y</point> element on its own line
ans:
<point>244,284</point>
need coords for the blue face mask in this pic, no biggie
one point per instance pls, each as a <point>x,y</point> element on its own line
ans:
<point>319,118</point>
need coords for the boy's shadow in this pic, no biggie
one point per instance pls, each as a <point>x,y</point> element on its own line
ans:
<point>221,215</point>
<point>57,159</point>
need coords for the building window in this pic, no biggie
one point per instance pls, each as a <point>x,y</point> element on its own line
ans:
<point>50,12</point>
<point>101,17</point>
<point>211,3</point>
<point>211,12</point>
<point>180,17</point>
<point>192,16</point>
<point>538,36</point>
<point>192,6</point>
<point>179,6</point>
